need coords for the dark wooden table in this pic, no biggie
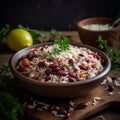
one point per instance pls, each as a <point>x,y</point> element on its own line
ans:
<point>106,107</point>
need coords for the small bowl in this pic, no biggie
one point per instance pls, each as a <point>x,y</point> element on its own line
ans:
<point>59,90</point>
<point>89,36</point>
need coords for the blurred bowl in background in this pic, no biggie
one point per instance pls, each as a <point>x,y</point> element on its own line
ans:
<point>90,28</point>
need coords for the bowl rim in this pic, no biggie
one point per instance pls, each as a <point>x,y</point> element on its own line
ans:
<point>36,82</point>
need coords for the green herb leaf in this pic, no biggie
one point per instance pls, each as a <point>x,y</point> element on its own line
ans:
<point>4,68</point>
<point>63,44</point>
<point>10,108</point>
<point>102,43</point>
<point>35,33</point>
<point>58,50</point>
<point>113,54</point>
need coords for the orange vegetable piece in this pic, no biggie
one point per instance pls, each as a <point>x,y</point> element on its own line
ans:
<point>25,62</point>
<point>82,75</point>
<point>36,49</point>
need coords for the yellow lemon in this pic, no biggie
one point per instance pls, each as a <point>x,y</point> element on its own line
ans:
<point>18,39</point>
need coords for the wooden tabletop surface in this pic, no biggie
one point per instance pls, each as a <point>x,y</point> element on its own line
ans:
<point>105,109</point>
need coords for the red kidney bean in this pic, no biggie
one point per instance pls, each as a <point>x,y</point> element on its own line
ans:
<point>32,56</point>
<point>56,69</point>
<point>71,74</point>
<point>83,68</point>
<point>71,79</point>
<point>41,64</point>
<point>51,108</point>
<point>114,78</point>
<point>81,55</point>
<point>53,65</point>
<point>42,48</point>
<point>96,56</point>
<point>48,71</point>
<point>54,72</point>
<point>67,115</point>
<point>21,68</point>
<point>102,61</point>
<point>87,60</point>
<point>62,73</point>
<point>71,62</point>
<point>81,105</point>
<point>62,111</point>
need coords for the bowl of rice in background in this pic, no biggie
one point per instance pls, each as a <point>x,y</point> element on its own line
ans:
<point>90,28</point>
<point>70,73</point>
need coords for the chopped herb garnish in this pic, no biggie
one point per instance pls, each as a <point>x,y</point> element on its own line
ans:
<point>63,44</point>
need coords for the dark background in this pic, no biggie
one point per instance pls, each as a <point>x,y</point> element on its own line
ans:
<point>57,14</point>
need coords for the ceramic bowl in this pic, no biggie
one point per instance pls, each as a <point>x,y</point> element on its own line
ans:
<point>89,36</point>
<point>59,90</point>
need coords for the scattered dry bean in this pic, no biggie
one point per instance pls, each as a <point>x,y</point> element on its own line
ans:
<point>81,105</point>
<point>110,88</point>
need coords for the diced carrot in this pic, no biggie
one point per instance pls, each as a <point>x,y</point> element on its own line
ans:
<point>25,62</point>
<point>36,49</point>
<point>59,61</point>
<point>82,75</point>
<point>88,67</point>
<point>33,50</point>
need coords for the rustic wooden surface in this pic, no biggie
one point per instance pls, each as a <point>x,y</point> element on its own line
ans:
<point>107,101</point>
<point>91,112</point>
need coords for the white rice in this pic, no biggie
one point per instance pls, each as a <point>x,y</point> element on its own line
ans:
<point>97,27</point>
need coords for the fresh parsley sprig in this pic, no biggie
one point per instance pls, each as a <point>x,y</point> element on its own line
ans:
<point>62,44</point>
<point>102,43</point>
<point>113,54</point>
